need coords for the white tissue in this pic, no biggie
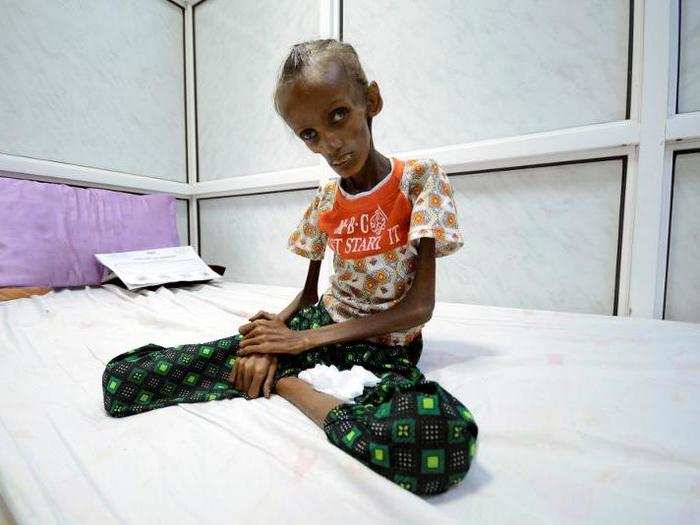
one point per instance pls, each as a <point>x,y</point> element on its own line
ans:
<point>344,385</point>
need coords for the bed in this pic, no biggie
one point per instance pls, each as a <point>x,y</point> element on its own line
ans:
<point>582,419</point>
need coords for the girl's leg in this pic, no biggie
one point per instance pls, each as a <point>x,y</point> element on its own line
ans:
<point>301,394</point>
<point>153,377</point>
<point>407,429</point>
<point>416,435</point>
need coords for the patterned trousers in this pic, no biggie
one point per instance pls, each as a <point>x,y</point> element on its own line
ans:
<point>407,429</point>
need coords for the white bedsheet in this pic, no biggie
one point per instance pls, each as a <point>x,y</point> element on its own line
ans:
<point>582,419</point>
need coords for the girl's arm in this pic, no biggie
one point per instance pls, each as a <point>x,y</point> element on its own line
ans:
<point>308,296</point>
<point>271,337</point>
<point>415,308</point>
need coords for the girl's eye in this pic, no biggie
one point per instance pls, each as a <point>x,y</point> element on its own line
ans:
<point>339,111</point>
<point>310,134</point>
<point>305,136</point>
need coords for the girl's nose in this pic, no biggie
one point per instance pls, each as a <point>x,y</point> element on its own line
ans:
<point>333,144</point>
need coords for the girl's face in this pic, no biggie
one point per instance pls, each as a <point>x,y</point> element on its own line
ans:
<point>321,109</point>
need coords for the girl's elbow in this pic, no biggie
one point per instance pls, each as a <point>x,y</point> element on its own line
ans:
<point>425,313</point>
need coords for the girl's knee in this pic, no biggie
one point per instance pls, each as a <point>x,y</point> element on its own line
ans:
<point>424,448</point>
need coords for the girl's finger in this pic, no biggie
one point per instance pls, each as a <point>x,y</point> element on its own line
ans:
<point>261,348</point>
<point>240,373</point>
<point>249,336</point>
<point>268,380</point>
<point>255,384</point>
<point>232,374</point>
<point>256,331</point>
<point>251,346</point>
<point>236,368</point>
<point>247,378</point>
<point>250,327</point>
<point>262,314</point>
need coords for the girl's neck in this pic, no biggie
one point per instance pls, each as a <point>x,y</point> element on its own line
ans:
<point>372,173</point>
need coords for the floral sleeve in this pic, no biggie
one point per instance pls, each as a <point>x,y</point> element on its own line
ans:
<point>434,212</point>
<point>307,239</point>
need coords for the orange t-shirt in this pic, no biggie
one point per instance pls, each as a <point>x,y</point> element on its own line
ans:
<point>374,237</point>
<point>361,225</point>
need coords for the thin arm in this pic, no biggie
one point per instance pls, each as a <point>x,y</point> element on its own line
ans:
<point>415,308</point>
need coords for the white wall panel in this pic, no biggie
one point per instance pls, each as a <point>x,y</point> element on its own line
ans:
<point>182,221</point>
<point>239,48</point>
<point>689,65</point>
<point>543,238</point>
<point>683,276</point>
<point>248,235</point>
<point>463,70</point>
<point>96,83</point>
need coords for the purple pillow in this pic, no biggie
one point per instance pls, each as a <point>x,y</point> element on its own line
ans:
<point>50,233</point>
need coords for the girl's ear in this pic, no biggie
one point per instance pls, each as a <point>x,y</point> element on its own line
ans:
<point>374,99</point>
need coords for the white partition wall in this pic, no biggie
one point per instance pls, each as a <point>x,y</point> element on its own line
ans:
<point>239,47</point>
<point>683,277</point>
<point>458,71</point>
<point>559,122</point>
<point>689,57</point>
<point>97,84</point>
<point>248,235</point>
<point>183,218</point>
<point>543,237</point>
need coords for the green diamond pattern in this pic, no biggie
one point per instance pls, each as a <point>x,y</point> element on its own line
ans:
<point>168,388</point>
<point>184,359</point>
<point>403,431</point>
<point>379,454</point>
<point>206,351</point>
<point>456,478</point>
<point>383,410</point>
<point>466,414</point>
<point>433,461</point>
<point>351,436</point>
<point>191,379</point>
<point>428,405</point>
<point>407,482</point>
<point>144,397</point>
<point>472,447</point>
<point>113,384</point>
<point>163,367</point>
<point>455,432</point>
<point>137,375</point>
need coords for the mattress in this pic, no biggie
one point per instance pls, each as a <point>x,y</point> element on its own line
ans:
<point>582,419</point>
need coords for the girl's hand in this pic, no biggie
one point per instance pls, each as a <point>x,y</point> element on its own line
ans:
<point>271,336</point>
<point>262,314</point>
<point>249,373</point>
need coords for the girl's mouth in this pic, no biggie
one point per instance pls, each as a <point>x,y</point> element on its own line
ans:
<point>343,161</point>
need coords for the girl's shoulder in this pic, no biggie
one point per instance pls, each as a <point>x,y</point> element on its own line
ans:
<point>326,192</point>
<point>416,172</point>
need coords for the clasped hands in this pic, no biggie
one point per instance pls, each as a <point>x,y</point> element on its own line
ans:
<point>264,337</point>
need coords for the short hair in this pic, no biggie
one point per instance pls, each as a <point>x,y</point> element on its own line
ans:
<point>318,52</point>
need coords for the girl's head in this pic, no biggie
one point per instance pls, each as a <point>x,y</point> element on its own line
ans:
<point>323,95</point>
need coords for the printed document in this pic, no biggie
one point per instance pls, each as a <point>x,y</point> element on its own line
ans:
<point>158,266</point>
